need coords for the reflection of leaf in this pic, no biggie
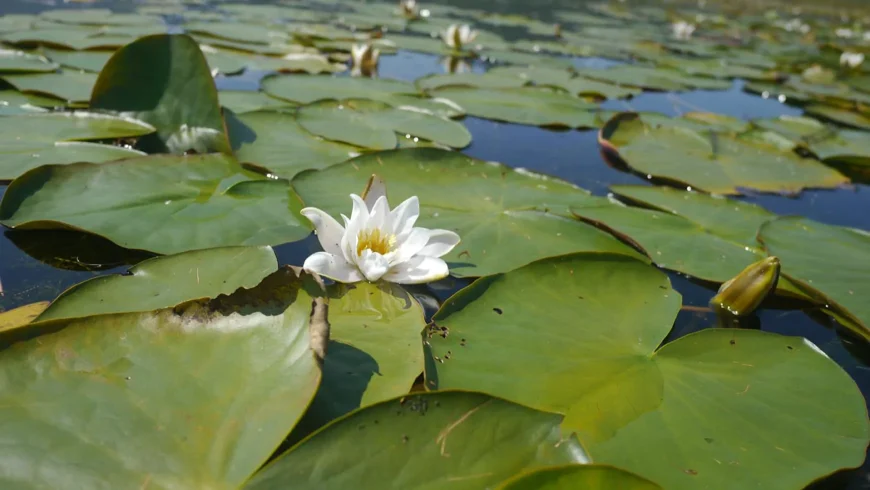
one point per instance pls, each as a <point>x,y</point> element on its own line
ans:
<point>73,250</point>
<point>580,334</point>
<point>450,440</point>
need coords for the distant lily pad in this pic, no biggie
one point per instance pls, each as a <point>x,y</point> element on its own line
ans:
<point>230,62</point>
<point>839,146</point>
<point>309,88</point>
<point>838,115</point>
<point>239,31</point>
<point>242,101</point>
<point>66,37</point>
<point>828,262</point>
<point>92,61</point>
<point>653,78</point>
<point>715,162</point>
<point>177,203</point>
<point>68,85</point>
<point>480,80</point>
<point>525,105</point>
<point>505,218</point>
<point>581,335</point>
<point>28,141</point>
<point>12,61</point>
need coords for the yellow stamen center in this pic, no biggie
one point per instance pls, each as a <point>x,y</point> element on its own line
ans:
<point>374,240</point>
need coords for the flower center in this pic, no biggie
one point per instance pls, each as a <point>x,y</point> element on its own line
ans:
<point>374,240</point>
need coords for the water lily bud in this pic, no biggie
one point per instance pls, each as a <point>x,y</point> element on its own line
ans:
<point>742,294</point>
<point>456,36</point>
<point>851,60</point>
<point>364,60</point>
<point>409,8</point>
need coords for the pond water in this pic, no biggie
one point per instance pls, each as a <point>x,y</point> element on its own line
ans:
<point>37,267</point>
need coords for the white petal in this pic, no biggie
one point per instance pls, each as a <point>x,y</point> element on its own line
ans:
<point>379,216</point>
<point>373,265</point>
<point>411,246</point>
<point>329,231</point>
<point>440,243</point>
<point>359,219</point>
<point>405,215</point>
<point>418,270</point>
<point>333,267</point>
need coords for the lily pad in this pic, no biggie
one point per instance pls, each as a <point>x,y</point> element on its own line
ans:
<point>28,141</point>
<point>162,282</point>
<point>92,61</point>
<point>66,37</point>
<point>160,377</point>
<point>827,262</point>
<point>21,316</point>
<point>506,218</point>
<point>838,115</point>
<point>653,78</point>
<point>276,141</point>
<point>164,80</point>
<point>71,86</point>
<point>832,145</point>
<point>480,80</point>
<point>305,89</point>
<point>525,105</point>
<point>453,428</point>
<point>572,477</point>
<point>580,335</point>
<point>238,31</point>
<point>715,162</point>
<point>229,62</point>
<point>163,204</point>
<point>242,101</point>
<point>375,352</point>
<point>372,124</point>
<point>12,61</point>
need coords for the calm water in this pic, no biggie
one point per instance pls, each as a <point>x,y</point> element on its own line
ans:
<point>571,155</point>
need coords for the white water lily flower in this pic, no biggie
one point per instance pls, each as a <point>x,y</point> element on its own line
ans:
<point>409,8</point>
<point>850,59</point>
<point>682,30</point>
<point>364,60</point>
<point>376,243</point>
<point>456,36</point>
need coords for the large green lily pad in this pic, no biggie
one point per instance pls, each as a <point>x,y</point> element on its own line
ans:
<point>580,335</point>
<point>830,144</point>
<point>92,61</point>
<point>242,101</point>
<point>653,78</point>
<point>375,352</point>
<point>164,80</point>
<point>479,80</point>
<point>573,477</point>
<point>166,281</point>
<point>276,141</point>
<point>504,217</point>
<point>28,141</point>
<point>71,86</point>
<point>310,88</point>
<point>372,124</point>
<point>829,263</point>
<point>714,162</point>
<point>406,436</point>
<point>839,115</point>
<point>12,61</point>
<point>163,204</point>
<point>525,105</point>
<point>189,398</point>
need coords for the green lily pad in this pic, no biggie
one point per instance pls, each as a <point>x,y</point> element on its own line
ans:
<point>827,262</point>
<point>715,162</point>
<point>480,80</point>
<point>239,32</point>
<point>229,62</point>
<point>838,115</point>
<point>163,282</point>
<point>420,44</point>
<point>538,75</point>
<point>92,61</point>
<point>71,86</point>
<point>653,78</point>
<point>372,124</point>
<point>512,57</point>
<point>164,80</point>
<point>717,68</point>
<point>28,141</point>
<point>66,37</point>
<point>11,100</point>
<point>305,89</point>
<point>525,105</point>
<point>162,378</point>
<point>242,101</point>
<point>375,352</point>
<point>506,218</point>
<point>580,335</point>
<point>572,477</point>
<point>453,428</point>
<point>12,61</point>
<point>587,87</point>
<point>276,141</point>
<point>177,203</point>
<point>830,144</point>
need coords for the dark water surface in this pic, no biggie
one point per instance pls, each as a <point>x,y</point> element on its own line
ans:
<point>570,155</point>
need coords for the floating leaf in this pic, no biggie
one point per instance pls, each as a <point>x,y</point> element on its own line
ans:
<point>242,101</point>
<point>28,141</point>
<point>162,282</point>
<point>276,141</point>
<point>309,88</point>
<point>92,61</point>
<point>238,31</point>
<point>12,61</point>
<point>453,428</point>
<point>229,415</point>
<point>165,81</point>
<point>66,37</point>
<point>479,80</point>
<point>838,115</point>
<point>839,146</point>
<point>653,78</point>
<point>71,86</point>
<point>505,218</point>
<point>163,204</point>
<point>580,335</point>
<point>21,316</point>
<point>829,263</point>
<point>572,477</point>
<point>525,105</point>
<point>715,162</point>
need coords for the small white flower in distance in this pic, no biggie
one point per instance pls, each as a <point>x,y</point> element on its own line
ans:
<point>456,36</point>
<point>683,30</point>
<point>852,60</point>
<point>364,59</point>
<point>376,243</point>
<point>409,8</point>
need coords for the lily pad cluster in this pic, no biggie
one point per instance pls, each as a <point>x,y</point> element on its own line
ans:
<point>550,365</point>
